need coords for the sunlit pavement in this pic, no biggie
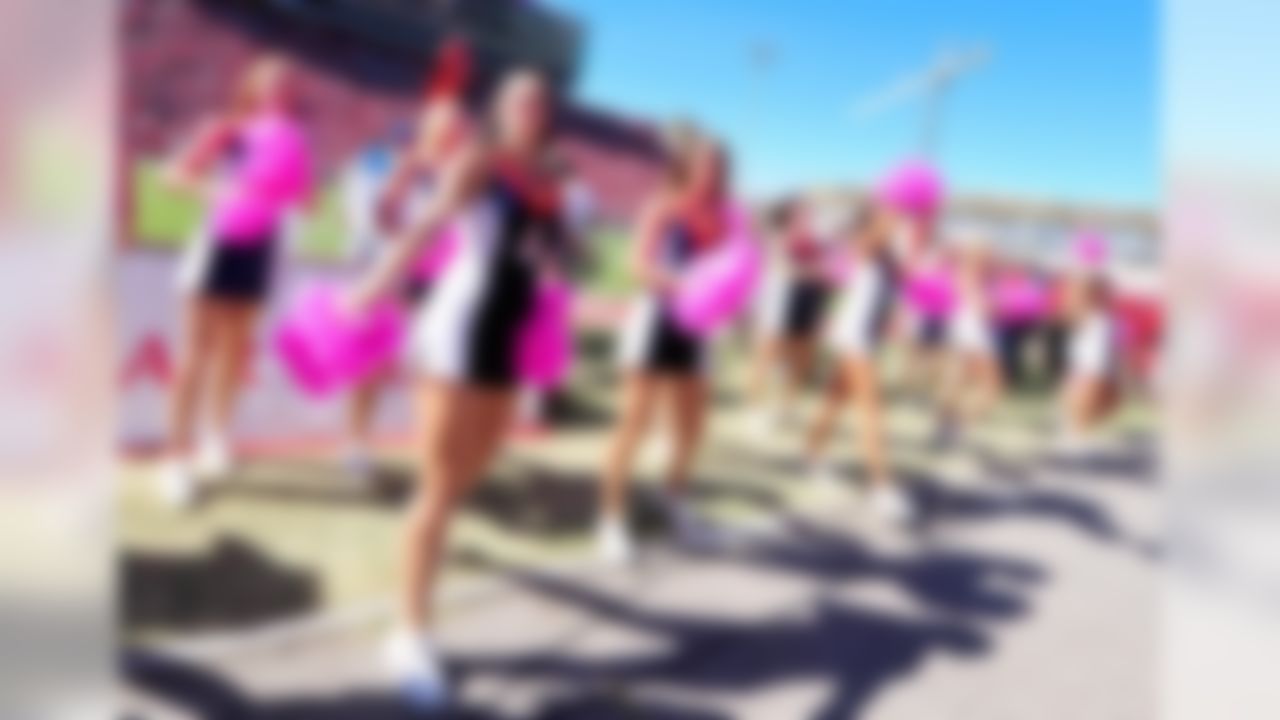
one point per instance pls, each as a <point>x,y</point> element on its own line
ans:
<point>1028,589</point>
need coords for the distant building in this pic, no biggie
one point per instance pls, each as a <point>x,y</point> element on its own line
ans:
<point>1040,231</point>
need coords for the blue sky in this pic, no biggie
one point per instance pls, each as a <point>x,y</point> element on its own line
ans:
<point>1065,107</point>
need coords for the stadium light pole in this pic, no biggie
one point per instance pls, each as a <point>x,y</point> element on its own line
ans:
<point>932,85</point>
<point>762,55</point>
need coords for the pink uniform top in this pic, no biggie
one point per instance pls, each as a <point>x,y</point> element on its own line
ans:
<point>270,172</point>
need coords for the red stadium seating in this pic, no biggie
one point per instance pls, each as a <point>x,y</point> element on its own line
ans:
<point>181,61</point>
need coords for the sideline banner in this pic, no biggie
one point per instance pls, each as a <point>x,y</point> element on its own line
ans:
<point>272,411</point>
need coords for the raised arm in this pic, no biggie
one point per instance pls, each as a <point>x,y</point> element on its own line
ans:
<point>457,183</point>
<point>644,252</point>
<point>391,199</point>
<point>209,142</point>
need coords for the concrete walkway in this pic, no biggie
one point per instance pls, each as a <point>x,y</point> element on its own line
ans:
<point>1027,592</point>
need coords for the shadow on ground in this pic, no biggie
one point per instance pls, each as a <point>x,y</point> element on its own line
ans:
<point>853,652</point>
<point>233,585</point>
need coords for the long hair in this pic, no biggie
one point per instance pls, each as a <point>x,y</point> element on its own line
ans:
<point>679,140</point>
<point>246,98</point>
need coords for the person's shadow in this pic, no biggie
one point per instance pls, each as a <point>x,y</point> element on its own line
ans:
<point>232,584</point>
<point>206,695</point>
<point>857,651</point>
<point>946,580</point>
<point>944,505</point>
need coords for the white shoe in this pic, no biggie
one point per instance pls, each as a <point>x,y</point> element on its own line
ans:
<point>357,463</point>
<point>1070,445</point>
<point>213,458</point>
<point>414,665</point>
<point>176,484</point>
<point>888,503</point>
<point>823,473</point>
<point>613,542</point>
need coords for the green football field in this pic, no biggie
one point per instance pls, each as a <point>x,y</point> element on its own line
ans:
<point>164,218</point>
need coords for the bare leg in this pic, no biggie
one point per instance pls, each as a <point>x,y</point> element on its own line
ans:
<point>988,385</point>
<point>953,381</point>
<point>689,403</point>
<point>445,422</point>
<point>762,369</point>
<point>792,366</point>
<point>192,373</point>
<point>861,373</point>
<point>494,412</point>
<point>1087,402</point>
<point>362,406</point>
<point>833,402</point>
<point>236,324</point>
<point>638,398</point>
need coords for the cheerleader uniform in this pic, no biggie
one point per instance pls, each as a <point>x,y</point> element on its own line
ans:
<point>929,311</point>
<point>795,300</point>
<point>970,329</point>
<point>1093,352</point>
<point>861,320</point>
<point>417,287</point>
<point>652,340</point>
<point>265,173</point>
<point>467,330</point>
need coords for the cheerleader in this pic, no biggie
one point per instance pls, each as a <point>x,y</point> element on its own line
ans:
<point>927,303</point>
<point>502,198</point>
<point>791,309</point>
<point>856,334</point>
<point>252,165</point>
<point>664,364</point>
<point>972,380</point>
<point>1091,389</point>
<point>443,127</point>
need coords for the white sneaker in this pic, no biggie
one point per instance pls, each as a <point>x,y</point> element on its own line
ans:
<point>764,424</point>
<point>176,484</point>
<point>613,542</point>
<point>823,473</point>
<point>213,458</point>
<point>414,665</point>
<point>357,463</point>
<point>889,503</point>
<point>1070,445</point>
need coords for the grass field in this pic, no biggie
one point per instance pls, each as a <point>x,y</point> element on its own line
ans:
<point>167,219</point>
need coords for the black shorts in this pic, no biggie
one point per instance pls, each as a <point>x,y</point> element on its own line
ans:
<point>671,350</point>
<point>806,301</point>
<point>932,332</point>
<point>239,272</point>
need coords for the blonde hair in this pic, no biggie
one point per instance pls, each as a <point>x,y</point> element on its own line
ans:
<point>260,75</point>
<point>679,141</point>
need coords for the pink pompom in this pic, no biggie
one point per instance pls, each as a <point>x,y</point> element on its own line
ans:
<point>932,291</point>
<point>718,285</point>
<point>1090,250</point>
<point>323,349</point>
<point>273,175</point>
<point>1020,298</point>
<point>915,188</point>
<point>545,348</point>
